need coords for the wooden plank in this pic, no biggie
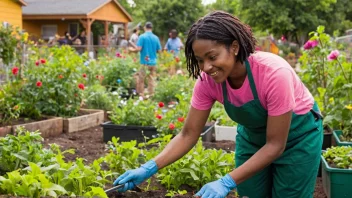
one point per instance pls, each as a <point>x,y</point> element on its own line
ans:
<point>48,128</point>
<point>92,118</point>
<point>5,130</point>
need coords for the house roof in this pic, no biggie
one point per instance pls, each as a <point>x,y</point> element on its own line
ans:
<point>66,7</point>
<point>22,2</point>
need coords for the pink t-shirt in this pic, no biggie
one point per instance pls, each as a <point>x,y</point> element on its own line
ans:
<point>279,88</point>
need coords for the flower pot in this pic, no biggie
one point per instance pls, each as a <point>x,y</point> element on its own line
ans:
<point>208,133</point>
<point>128,133</point>
<point>336,181</point>
<point>88,118</point>
<point>5,130</point>
<point>50,127</point>
<point>337,134</point>
<point>225,132</point>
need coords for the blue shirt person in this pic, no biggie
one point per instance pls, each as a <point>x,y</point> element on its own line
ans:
<point>149,45</point>
<point>174,44</point>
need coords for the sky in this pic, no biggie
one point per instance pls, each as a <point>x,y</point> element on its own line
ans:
<point>206,2</point>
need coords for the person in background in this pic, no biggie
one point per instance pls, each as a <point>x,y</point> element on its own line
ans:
<point>280,131</point>
<point>134,36</point>
<point>174,44</point>
<point>149,45</point>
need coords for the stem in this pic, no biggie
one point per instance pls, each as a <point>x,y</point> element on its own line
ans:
<point>343,71</point>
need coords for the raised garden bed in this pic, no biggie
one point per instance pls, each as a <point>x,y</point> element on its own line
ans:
<point>336,181</point>
<point>127,133</point>
<point>50,127</point>
<point>4,130</point>
<point>87,118</point>
<point>338,141</point>
<point>225,132</point>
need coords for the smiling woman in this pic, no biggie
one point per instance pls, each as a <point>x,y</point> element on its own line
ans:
<point>260,91</point>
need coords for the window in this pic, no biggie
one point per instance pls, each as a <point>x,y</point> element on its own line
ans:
<point>73,29</point>
<point>48,31</point>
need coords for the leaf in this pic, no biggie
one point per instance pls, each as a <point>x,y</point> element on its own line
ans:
<point>187,170</point>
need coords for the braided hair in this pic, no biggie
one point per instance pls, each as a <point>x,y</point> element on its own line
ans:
<point>223,28</point>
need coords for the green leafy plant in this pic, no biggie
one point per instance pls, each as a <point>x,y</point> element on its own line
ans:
<point>8,43</point>
<point>118,71</point>
<point>197,168</point>
<point>328,75</point>
<point>339,157</point>
<point>96,97</point>
<point>17,151</point>
<point>167,89</point>
<point>124,156</point>
<point>134,112</point>
<point>170,119</point>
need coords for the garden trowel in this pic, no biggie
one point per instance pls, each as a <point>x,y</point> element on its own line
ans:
<point>114,188</point>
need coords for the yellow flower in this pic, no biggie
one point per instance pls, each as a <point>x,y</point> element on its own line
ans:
<point>349,107</point>
<point>25,36</point>
<point>331,100</point>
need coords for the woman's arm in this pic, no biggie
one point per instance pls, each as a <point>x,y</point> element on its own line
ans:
<point>185,140</point>
<point>276,137</point>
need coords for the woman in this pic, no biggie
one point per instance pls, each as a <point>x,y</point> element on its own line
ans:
<point>279,139</point>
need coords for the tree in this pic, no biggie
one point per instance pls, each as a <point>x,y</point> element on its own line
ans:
<point>294,18</point>
<point>172,14</point>
<point>230,6</point>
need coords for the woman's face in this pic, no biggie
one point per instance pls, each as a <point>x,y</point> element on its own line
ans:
<point>216,59</point>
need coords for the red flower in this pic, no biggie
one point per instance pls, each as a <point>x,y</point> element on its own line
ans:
<point>39,84</point>
<point>61,76</point>
<point>37,63</point>
<point>134,60</point>
<point>76,95</point>
<point>161,104</point>
<point>84,75</point>
<point>15,107</point>
<point>181,119</point>
<point>171,126</point>
<point>43,61</point>
<point>159,116</point>
<point>15,70</point>
<point>97,76</point>
<point>146,58</point>
<point>177,59</point>
<point>81,86</point>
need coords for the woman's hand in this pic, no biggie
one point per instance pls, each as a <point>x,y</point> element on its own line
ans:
<point>219,188</point>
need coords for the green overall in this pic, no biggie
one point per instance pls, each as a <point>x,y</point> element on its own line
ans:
<point>294,173</point>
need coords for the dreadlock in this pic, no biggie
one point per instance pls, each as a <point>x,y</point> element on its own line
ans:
<point>223,28</point>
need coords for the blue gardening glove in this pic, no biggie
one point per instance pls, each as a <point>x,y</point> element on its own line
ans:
<point>131,178</point>
<point>217,189</point>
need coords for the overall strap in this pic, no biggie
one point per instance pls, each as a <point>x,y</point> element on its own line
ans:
<point>251,80</point>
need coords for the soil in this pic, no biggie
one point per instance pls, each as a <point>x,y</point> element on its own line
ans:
<point>89,145</point>
<point>23,121</point>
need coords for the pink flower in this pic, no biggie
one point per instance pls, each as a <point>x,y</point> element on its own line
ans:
<point>118,55</point>
<point>43,61</point>
<point>39,84</point>
<point>310,44</point>
<point>15,70</point>
<point>333,55</point>
<point>159,116</point>
<point>37,63</point>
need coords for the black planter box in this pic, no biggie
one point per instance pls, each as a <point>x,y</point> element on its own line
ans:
<point>128,133</point>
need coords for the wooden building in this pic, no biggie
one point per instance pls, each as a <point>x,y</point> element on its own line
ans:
<point>45,18</point>
<point>11,12</point>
